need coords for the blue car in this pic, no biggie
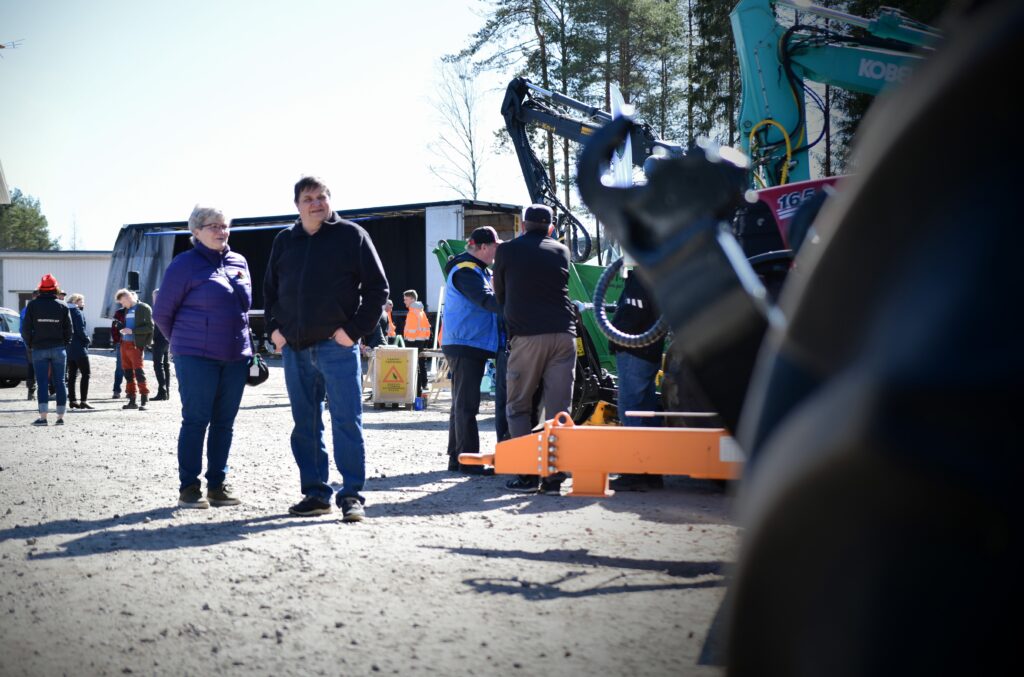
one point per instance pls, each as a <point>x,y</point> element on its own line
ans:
<point>13,361</point>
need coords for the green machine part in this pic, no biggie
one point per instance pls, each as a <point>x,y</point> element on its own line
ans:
<point>583,279</point>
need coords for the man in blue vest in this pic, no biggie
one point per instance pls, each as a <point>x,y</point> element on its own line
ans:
<point>471,337</point>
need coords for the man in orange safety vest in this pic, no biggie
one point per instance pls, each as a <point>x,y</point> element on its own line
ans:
<point>417,334</point>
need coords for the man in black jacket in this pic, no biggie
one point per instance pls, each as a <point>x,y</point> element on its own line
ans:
<point>531,281</point>
<point>324,289</point>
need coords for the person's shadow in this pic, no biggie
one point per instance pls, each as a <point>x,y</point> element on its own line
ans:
<point>102,538</point>
<point>459,493</point>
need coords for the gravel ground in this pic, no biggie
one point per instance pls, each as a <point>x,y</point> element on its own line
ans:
<point>101,573</point>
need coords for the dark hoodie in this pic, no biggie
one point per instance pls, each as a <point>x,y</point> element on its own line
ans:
<point>47,323</point>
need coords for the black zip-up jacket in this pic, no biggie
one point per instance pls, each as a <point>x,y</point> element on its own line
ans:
<point>637,313</point>
<point>317,283</point>
<point>531,282</point>
<point>47,323</point>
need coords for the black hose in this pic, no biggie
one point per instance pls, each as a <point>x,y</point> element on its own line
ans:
<point>572,229</point>
<point>656,331</point>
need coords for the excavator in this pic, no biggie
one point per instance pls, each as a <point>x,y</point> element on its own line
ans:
<point>528,104</point>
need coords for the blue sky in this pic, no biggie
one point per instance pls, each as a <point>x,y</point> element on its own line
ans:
<point>119,112</point>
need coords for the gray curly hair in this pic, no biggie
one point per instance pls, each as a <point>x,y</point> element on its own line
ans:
<point>200,213</point>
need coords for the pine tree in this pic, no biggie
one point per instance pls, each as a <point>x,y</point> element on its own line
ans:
<point>23,226</point>
<point>714,72</point>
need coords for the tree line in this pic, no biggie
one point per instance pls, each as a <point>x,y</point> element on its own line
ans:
<point>673,60</point>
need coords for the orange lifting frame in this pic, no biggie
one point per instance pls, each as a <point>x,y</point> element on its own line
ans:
<point>589,454</point>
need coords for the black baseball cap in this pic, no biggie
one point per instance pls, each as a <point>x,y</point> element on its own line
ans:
<point>539,214</point>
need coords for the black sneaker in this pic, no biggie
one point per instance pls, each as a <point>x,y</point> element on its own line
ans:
<point>192,497</point>
<point>309,506</point>
<point>116,395</point>
<point>39,422</point>
<point>221,496</point>
<point>59,421</point>
<point>636,482</point>
<point>552,485</point>
<point>484,470</point>
<point>524,484</point>
<point>85,405</point>
<point>351,509</point>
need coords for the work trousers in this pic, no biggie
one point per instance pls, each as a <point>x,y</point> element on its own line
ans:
<point>162,366</point>
<point>133,362</point>
<point>421,367</point>
<point>547,357</point>
<point>463,433</point>
<point>76,365</point>
<point>500,396</point>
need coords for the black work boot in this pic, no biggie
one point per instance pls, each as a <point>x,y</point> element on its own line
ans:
<point>131,403</point>
<point>142,404</point>
<point>161,394</point>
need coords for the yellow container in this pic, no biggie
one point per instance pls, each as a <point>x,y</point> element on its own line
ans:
<point>394,375</point>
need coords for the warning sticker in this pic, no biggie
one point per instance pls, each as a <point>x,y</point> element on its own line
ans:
<point>392,375</point>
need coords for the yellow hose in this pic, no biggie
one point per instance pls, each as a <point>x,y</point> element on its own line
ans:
<point>785,135</point>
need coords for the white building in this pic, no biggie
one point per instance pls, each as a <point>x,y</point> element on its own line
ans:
<point>82,272</point>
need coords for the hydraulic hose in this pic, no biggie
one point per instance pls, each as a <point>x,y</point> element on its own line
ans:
<point>654,333</point>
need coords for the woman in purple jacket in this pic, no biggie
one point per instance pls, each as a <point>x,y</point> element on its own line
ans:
<point>203,309</point>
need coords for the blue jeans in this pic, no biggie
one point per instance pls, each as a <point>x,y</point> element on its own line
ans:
<point>118,369</point>
<point>636,389</point>
<point>43,361</point>
<point>326,368</point>
<point>210,392</point>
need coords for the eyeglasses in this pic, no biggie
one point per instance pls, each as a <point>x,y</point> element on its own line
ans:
<point>215,226</point>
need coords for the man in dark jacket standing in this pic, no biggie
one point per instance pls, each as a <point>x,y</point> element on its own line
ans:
<point>471,337</point>
<point>531,282</point>
<point>637,369</point>
<point>324,289</point>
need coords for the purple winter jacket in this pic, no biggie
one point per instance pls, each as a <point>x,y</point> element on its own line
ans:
<point>204,302</point>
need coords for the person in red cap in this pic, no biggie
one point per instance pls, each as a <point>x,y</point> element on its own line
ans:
<point>47,333</point>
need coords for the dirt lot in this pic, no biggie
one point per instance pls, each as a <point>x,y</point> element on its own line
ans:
<point>101,573</point>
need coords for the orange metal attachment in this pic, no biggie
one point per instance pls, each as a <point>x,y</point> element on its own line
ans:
<point>590,454</point>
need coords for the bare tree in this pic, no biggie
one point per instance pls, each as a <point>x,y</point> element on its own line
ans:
<point>459,145</point>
